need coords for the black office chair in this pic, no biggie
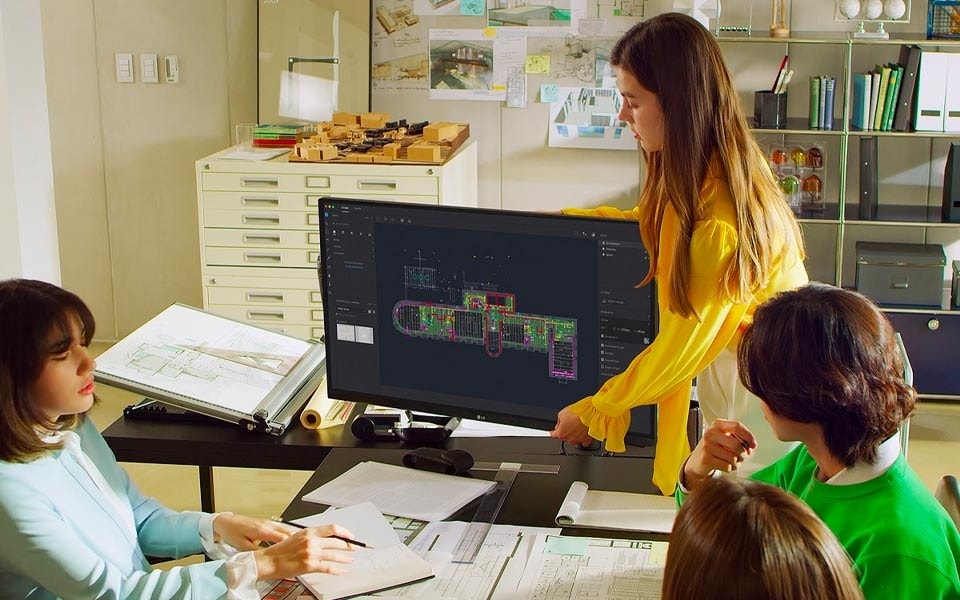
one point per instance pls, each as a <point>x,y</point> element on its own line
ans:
<point>948,493</point>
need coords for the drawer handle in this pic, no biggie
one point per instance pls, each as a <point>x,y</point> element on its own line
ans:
<point>314,238</point>
<point>376,184</point>
<point>261,219</point>
<point>254,257</point>
<point>313,257</point>
<point>313,219</point>
<point>260,201</point>
<point>255,238</point>
<point>261,182</point>
<point>318,182</point>
<point>265,315</point>
<point>264,297</point>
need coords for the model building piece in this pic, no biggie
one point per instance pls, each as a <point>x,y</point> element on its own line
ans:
<point>392,150</point>
<point>439,132</point>
<point>321,152</point>
<point>345,118</point>
<point>373,120</point>
<point>423,152</point>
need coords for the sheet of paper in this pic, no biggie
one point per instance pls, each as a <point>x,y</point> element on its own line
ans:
<point>401,491</point>
<point>364,521</point>
<point>239,153</point>
<point>371,570</point>
<point>600,569</point>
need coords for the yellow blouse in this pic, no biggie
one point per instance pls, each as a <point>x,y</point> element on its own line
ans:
<point>663,373</point>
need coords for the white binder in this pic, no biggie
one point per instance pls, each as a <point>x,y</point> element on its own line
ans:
<point>951,117</point>
<point>931,91</point>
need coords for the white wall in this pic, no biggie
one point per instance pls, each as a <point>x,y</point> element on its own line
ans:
<point>123,153</point>
<point>28,229</point>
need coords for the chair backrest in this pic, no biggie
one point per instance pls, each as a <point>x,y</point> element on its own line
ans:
<point>908,379</point>
<point>948,493</point>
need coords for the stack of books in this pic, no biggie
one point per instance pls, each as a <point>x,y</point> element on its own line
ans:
<point>277,136</point>
<point>883,98</point>
<point>821,101</point>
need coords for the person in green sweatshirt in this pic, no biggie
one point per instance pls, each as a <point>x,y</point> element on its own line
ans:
<point>825,363</point>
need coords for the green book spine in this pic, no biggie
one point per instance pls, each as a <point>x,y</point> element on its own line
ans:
<point>814,122</point>
<point>893,91</point>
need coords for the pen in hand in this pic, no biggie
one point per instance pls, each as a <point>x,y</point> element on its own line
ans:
<point>336,537</point>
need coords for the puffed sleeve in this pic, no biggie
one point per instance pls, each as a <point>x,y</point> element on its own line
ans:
<point>684,347</point>
<point>609,212</point>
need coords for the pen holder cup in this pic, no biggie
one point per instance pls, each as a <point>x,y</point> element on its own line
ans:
<point>769,110</point>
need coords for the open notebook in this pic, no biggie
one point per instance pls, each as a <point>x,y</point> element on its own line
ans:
<point>624,511</point>
<point>385,564</point>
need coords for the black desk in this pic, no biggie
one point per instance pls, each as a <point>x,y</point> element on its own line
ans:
<point>534,498</point>
<point>214,444</point>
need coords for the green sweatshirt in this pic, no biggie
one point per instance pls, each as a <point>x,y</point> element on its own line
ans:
<point>902,542</point>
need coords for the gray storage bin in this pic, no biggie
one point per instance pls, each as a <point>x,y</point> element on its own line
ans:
<point>895,274</point>
<point>955,288</point>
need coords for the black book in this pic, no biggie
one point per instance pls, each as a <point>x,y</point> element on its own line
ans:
<point>910,61</point>
<point>869,204</point>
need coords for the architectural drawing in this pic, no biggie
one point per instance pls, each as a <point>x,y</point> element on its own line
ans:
<point>461,64</point>
<point>588,118</point>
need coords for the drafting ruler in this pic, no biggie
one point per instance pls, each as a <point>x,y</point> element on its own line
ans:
<point>476,532</point>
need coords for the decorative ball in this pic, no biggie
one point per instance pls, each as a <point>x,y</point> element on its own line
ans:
<point>849,8</point>
<point>895,9</point>
<point>872,9</point>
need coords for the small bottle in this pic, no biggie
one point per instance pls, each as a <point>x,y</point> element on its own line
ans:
<point>815,157</point>
<point>799,157</point>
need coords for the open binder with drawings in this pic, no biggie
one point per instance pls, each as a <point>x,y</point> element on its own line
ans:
<point>212,365</point>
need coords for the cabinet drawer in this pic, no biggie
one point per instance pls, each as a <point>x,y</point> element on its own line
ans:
<point>248,238</point>
<point>271,314</point>
<point>286,201</point>
<point>256,257</point>
<point>930,339</point>
<point>265,296</point>
<point>261,219</point>
<point>331,184</point>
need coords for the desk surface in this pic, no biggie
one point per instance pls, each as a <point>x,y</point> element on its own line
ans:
<point>226,445</point>
<point>534,498</point>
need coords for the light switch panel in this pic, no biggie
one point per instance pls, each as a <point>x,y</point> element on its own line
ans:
<point>148,68</point>
<point>124,67</point>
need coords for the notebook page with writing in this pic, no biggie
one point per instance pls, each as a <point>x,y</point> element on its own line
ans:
<point>371,571</point>
<point>623,511</point>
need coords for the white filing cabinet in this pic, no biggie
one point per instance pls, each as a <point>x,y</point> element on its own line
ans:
<point>259,227</point>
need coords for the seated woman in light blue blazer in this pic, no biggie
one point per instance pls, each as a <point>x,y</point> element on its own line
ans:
<point>72,524</point>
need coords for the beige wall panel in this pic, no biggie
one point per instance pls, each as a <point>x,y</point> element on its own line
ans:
<point>73,102</point>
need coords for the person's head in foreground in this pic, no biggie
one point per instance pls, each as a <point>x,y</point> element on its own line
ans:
<point>824,358</point>
<point>735,538</point>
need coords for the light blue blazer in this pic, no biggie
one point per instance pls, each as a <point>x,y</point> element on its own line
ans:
<point>60,539</point>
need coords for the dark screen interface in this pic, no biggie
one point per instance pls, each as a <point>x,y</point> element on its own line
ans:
<point>485,314</point>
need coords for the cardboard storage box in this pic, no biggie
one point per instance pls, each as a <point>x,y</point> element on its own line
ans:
<point>894,274</point>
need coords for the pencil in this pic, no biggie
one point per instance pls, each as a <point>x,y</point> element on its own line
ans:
<point>336,537</point>
<point>743,443</point>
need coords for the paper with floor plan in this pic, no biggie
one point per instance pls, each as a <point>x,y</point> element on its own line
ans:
<point>401,491</point>
<point>583,507</point>
<point>569,568</point>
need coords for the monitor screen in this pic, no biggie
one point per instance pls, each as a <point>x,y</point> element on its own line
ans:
<point>483,314</point>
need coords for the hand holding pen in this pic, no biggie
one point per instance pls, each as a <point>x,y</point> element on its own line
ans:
<point>342,538</point>
<point>724,445</point>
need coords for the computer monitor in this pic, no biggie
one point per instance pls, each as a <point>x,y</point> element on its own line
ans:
<point>494,315</point>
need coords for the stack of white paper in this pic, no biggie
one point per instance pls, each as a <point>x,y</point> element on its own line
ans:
<point>624,511</point>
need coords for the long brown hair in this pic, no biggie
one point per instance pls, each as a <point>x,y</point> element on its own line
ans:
<point>825,355</point>
<point>737,538</point>
<point>30,311</point>
<point>674,57</point>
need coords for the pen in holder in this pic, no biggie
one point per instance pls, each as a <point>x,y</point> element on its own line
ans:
<point>769,110</point>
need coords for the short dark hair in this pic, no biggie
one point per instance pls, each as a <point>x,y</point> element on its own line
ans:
<point>740,538</point>
<point>30,311</point>
<point>825,355</point>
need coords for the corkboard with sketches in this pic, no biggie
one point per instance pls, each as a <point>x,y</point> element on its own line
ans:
<point>375,138</point>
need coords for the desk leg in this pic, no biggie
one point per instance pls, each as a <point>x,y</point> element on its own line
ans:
<point>206,488</point>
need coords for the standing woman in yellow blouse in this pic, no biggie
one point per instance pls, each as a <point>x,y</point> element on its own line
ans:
<point>720,236</point>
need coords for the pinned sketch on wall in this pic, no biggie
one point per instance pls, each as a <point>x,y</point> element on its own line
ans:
<point>399,75</point>
<point>398,54</point>
<point>575,61</point>
<point>536,15</point>
<point>586,117</point>
<point>447,8</point>
<point>472,64</point>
